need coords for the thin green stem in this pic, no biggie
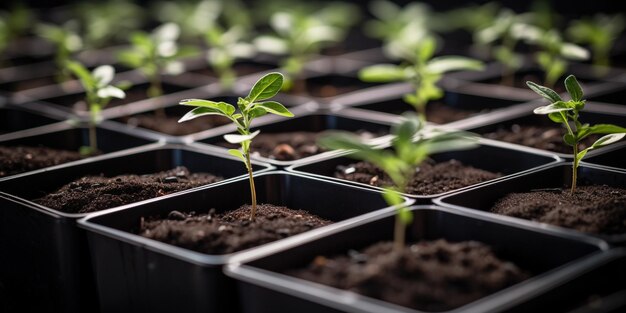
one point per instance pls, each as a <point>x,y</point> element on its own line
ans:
<point>575,169</point>
<point>399,233</point>
<point>252,187</point>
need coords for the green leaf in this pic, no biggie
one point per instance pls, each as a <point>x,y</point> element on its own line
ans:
<point>446,64</point>
<point>545,92</point>
<point>200,111</point>
<point>111,92</point>
<point>569,139</point>
<point>256,112</point>
<point>83,74</point>
<point>224,107</point>
<point>573,88</point>
<point>556,117</point>
<point>405,131</point>
<point>392,197</point>
<point>605,129</point>
<point>558,106</point>
<point>382,73</point>
<point>274,108</point>
<point>266,87</point>
<point>607,140</point>
<point>574,52</point>
<point>234,138</point>
<point>237,153</point>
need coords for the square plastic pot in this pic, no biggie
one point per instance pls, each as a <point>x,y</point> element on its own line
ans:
<point>594,113</point>
<point>134,273</point>
<point>482,198</point>
<point>14,119</point>
<point>47,266</point>
<point>64,136</point>
<point>306,119</point>
<point>599,288</point>
<point>490,155</point>
<point>264,288</point>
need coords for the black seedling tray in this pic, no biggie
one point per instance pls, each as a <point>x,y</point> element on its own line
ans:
<point>482,198</point>
<point>48,267</point>
<point>613,156</point>
<point>16,119</point>
<point>134,273</point>
<point>264,288</point>
<point>493,156</point>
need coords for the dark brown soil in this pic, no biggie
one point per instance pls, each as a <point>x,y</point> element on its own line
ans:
<point>540,137</point>
<point>96,193</point>
<point>439,113</point>
<point>428,275</point>
<point>241,69</point>
<point>592,209</point>
<point>289,146</point>
<point>169,124</point>
<point>430,178</point>
<point>232,231</point>
<point>20,159</point>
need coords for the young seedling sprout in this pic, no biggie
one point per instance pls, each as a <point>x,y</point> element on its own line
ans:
<point>391,19</point>
<point>420,69</point>
<point>567,113</point>
<point>155,54</point>
<point>226,46</point>
<point>411,145</point>
<point>99,92</point>
<point>554,51</point>
<point>108,22</point>
<point>13,24</point>
<point>301,34</point>
<point>67,42</point>
<point>600,34</point>
<point>250,107</point>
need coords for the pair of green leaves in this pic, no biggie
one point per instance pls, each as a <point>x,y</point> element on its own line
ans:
<point>563,112</point>
<point>97,84</point>
<point>250,107</point>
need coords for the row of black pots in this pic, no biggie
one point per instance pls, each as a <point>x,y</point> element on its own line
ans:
<point>49,266</point>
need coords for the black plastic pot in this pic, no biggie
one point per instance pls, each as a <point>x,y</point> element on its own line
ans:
<point>202,75</point>
<point>599,288</point>
<point>493,156</point>
<point>613,156</point>
<point>14,119</point>
<point>134,273</point>
<point>48,267</point>
<point>387,100</point>
<point>65,136</point>
<point>482,198</point>
<point>307,118</point>
<point>594,113</point>
<point>264,288</point>
<point>612,93</point>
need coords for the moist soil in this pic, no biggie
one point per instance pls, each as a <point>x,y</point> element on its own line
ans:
<point>430,177</point>
<point>169,124</point>
<point>427,275</point>
<point>290,146</point>
<point>440,113</point>
<point>96,193</point>
<point>592,209</point>
<point>20,159</point>
<point>541,137</point>
<point>229,232</point>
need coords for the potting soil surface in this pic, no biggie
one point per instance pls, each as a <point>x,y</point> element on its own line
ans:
<point>231,231</point>
<point>95,193</point>
<point>540,137</point>
<point>19,159</point>
<point>592,209</point>
<point>427,275</point>
<point>430,177</point>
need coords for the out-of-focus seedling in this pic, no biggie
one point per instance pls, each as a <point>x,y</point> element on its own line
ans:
<point>411,145</point>
<point>250,107</point>
<point>567,114</point>
<point>66,40</point>
<point>600,33</point>
<point>99,92</point>
<point>109,22</point>
<point>421,70</point>
<point>14,24</point>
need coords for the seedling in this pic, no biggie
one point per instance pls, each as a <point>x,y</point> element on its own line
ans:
<point>554,51</point>
<point>66,40</point>
<point>250,107</point>
<point>391,19</point>
<point>13,24</point>
<point>300,34</point>
<point>501,37</point>
<point>108,22</point>
<point>411,145</point>
<point>99,92</point>
<point>155,54</point>
<point>567,113</point>
<point>225,48</point>
<point>600,33</point>
<point>421,69</point>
